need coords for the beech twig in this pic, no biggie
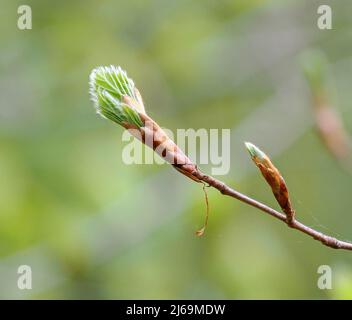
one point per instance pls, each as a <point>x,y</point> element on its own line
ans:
<point>116,98</point>
<point>226,190</point>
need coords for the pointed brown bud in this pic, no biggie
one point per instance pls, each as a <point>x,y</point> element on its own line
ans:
<point>273,178</point>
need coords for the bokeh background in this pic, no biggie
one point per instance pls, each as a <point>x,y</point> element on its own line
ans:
<point>92,227</point>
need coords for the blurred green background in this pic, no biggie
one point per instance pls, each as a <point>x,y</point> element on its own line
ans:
<point>92,227</point>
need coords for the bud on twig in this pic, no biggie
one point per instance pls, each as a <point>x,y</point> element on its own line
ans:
<point>116,98</point>
<point>274,179</point>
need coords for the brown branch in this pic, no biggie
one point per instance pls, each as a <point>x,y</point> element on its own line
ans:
<point>295,224</point>
<point>128,110</point>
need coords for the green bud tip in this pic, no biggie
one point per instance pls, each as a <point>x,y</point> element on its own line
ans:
<point>115,96</point>
<point>254,151</point>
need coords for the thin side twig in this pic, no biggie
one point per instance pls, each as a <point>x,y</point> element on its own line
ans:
<point>295,224</point>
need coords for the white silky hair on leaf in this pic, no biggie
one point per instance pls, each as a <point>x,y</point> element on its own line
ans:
<point>109,88</point>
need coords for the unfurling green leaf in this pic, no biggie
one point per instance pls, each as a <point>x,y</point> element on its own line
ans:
<point>115,96</point>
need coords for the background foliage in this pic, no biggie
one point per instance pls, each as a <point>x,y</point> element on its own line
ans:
<point>92,227</point>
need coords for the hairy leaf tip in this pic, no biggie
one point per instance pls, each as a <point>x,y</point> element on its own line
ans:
<point>115,96</point>
<point>254,151</point>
